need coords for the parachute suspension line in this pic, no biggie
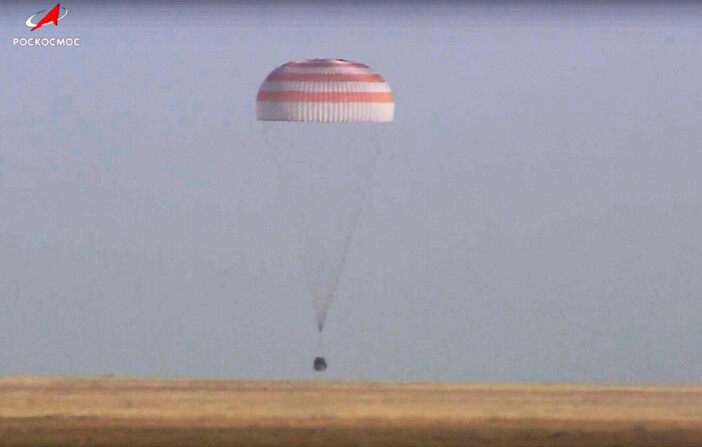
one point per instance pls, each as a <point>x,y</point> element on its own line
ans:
<point>375,153</point>
<point>320,344</point>
<point>320,363</point>
<point>272,133</point>
<point>365,185</point>
<point>364,173</point>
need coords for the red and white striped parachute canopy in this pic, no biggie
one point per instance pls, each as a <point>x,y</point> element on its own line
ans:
<point>325,90</point>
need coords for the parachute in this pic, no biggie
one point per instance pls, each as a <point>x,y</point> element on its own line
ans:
<point>320,125</point>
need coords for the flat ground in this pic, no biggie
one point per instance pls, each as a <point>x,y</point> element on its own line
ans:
<point>139,412</point>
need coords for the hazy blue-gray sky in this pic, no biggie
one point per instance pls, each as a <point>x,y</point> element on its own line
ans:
<point>536,213</point>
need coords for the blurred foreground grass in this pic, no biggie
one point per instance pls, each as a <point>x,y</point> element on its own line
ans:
<point>148,412</point>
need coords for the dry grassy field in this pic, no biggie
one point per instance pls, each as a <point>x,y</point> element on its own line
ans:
<point>141,412</point>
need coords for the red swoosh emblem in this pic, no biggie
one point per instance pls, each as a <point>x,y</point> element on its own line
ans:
<point>52,16</point>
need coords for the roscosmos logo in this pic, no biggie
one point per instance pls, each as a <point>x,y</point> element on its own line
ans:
<point>40,19</point>
<point>57,13</point>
